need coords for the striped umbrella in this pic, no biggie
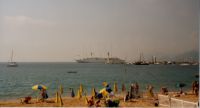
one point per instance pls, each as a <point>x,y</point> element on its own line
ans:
<point>39,87</point>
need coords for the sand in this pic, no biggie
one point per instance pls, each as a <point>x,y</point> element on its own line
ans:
<point>74,102</point>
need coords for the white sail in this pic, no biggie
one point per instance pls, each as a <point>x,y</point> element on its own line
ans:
<point>11,63</point>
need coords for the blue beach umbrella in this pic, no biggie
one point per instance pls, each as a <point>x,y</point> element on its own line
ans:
<point>197,76</point>
<point>39,87</point>
<point>180,85</point>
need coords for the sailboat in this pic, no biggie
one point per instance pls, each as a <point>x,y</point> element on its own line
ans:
<point>11,63</point>
<point>141,62</point>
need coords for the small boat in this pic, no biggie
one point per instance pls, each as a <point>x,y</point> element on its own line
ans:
<point>195,64</point>
<point>141,63</point>
<point>72,72</point>
<point>11,63</point>
<point>184,64</point>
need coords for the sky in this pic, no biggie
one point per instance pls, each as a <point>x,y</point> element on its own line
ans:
<point>65,30</point>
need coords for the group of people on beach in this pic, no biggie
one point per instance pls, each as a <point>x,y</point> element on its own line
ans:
<point>107,94</point>
<point>195,88</point>
<point>133,92</point>
<point>43,94</point>
<point>42,97</point>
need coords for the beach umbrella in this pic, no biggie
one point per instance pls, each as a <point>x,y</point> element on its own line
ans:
<point>61,89</point>
<point>81,88</point>
<point>79,94</point>
<point>93,92</point>
<point>197,76</point>
<point>104,84</point>
<point>60,101</point>
<point>72,92</point>
<point>56,100</point>
<point>180,85</point>
<point>123,88</point>
<point>39,87</point>
<point>104,92</point>
<point>115,88</point>
<point>86,100</point>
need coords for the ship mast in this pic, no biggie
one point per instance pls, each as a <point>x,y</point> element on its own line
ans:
<point>108,59</point>
<point>140,57</point>
<point>11,58</point>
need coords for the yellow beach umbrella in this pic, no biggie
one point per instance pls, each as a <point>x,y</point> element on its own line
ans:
<point>81,88</point>
<point>60,101</point>
<point>61,89</point>
<point>79,94</point>
<point>86,100</point>
<point>93,92</point>
<point>104,84</point>
<point>115,88</point>
<point>104,92</point>
<point>39,87</point>
<point>56,100</point>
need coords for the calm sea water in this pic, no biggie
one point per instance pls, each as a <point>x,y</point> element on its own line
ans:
<point>17,82</point>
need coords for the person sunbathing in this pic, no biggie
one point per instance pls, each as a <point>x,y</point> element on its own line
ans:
<point>97,104</point>
<point>26,100</point>
<point>90,102</point>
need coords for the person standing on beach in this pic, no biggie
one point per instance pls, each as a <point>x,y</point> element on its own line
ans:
<point>136,88</point>
<point>123,87</point>
<point>43,94</point>
<point>132,91</point>
<point>193,86</point>
<point>196,88</point>
<point>127,97</point>
<point>150,90</point>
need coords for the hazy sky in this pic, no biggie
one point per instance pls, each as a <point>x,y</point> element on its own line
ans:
<point>64,30</point>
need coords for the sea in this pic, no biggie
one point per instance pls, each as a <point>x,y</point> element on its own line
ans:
<point>17,82</point>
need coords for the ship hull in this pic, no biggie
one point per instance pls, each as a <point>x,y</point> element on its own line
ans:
<point>101,60</point>
<point>12,64</point>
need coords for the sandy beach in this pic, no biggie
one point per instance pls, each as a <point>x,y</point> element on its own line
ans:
<point>75,102</point>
